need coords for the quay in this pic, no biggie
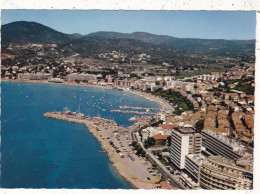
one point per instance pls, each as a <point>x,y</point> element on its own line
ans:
<point>133,112</point>
<point>116,141</point>
<point>138,108</point>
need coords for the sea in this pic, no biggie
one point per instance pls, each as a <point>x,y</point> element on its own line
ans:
<point>40,152</point>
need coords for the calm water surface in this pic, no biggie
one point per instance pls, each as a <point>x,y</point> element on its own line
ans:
<point>39,152</point>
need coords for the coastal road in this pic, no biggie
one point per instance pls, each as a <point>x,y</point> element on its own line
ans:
<point>165,173</point>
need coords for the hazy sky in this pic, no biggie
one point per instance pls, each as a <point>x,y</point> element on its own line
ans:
<point>182,24</point>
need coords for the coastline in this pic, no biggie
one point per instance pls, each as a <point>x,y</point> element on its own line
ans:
<point>136,182</point>
<point>166,107</point>
<point>113,157</point>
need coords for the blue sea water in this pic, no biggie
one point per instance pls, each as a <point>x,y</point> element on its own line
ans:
<point>39,152</point>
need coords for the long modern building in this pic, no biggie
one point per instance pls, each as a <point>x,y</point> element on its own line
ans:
<point>193,164</point>
<point>218,144</point>
<point>184,141</point>
<point>81,77</point>
<point>218,172</point>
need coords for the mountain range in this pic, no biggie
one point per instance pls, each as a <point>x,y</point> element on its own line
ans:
<point>23,32</point>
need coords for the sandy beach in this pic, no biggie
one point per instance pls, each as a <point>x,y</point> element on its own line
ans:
<point>134,169</point>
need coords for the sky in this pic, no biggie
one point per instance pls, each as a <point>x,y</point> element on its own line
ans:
<point>182,24</point>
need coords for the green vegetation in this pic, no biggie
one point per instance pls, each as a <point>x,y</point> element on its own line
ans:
<point>140,151</point>
<point>183,104</point>
<point>169,140</point>
<point>245,86</point>
<point>134,144</point>
<point>149,142</point>
<point>155,124</point>
<point>199,126</point>
<point>201,72</point>
<point>164,159</point>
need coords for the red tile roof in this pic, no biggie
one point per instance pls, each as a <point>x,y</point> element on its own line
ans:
<point>160,137</point>
<point>168,126</point>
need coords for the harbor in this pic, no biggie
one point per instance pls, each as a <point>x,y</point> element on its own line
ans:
<point>116,141</point>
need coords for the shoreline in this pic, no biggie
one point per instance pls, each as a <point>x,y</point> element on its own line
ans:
<point>165,106</point>
<point>136,182</point>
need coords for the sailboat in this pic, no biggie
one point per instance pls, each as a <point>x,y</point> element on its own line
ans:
<point>79,110</point>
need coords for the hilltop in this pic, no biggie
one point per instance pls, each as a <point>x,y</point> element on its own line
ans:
<point>23,32</point>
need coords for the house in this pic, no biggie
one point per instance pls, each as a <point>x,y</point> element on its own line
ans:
<point>160,139</point>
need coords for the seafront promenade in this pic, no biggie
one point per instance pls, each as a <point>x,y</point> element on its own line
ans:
<point>116,142</point>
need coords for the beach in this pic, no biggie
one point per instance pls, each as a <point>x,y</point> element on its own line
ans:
<point>128,169</point>
<point>131,167</point>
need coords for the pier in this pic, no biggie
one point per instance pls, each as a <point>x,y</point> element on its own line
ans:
<point>133,112</point>
<point>138,108</point>
<point>116,141</point>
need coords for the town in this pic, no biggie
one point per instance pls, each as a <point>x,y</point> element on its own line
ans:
<point>203,135</point>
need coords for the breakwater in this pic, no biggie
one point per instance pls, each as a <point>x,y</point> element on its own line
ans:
<point>115,140</point>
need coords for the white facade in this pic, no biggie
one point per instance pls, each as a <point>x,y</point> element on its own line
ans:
<point>184,141</point>
<point>81,77</point>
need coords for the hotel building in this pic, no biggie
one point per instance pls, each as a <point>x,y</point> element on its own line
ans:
<point>184,141</point>
<point>218,172</point>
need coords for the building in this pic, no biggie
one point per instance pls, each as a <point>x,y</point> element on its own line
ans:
<point>81,77</point>
<point>160,139</point>
<point>185,86</point>
<point>127,82</point>
<point>34,76</point>
<point>207,77</point>
<point>193,164</point>
<point>218,172</point>
<point>184,141</point>
<point>218,144</point>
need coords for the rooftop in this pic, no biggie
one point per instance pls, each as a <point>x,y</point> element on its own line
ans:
<point>168,126</point>
<point>233,143</point>
<point>186,130</point>
<point>160,137</point>
<point>198,159</point>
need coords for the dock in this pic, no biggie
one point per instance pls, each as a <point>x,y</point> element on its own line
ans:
<point>133,112</point>
<point>138,108</point>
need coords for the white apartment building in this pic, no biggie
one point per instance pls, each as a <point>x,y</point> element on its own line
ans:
<point>184,141</point>
<point>81,77</point>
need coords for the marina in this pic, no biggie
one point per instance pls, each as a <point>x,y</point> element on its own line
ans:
<point>69,144</point>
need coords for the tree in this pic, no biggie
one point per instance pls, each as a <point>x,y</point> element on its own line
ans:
<point>143,153</point>
<point>148,90</point>
<point>169,140</point>
<point>151,141</point>
<point>139,151</point>
<point>199,126</point>
<point>134,143</point>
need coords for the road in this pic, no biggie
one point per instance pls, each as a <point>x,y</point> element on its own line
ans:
<point>161,168</point>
